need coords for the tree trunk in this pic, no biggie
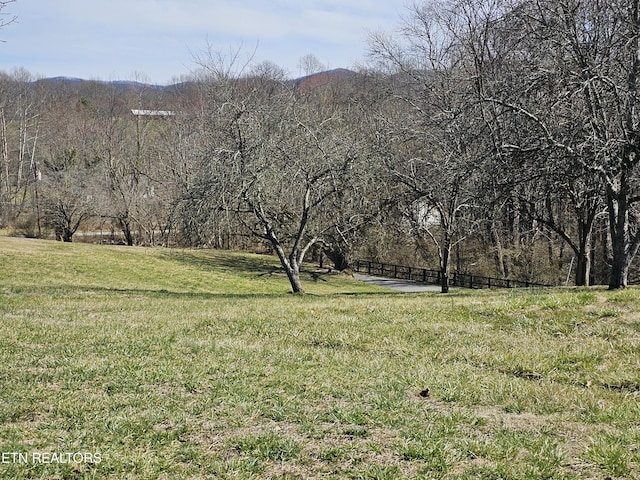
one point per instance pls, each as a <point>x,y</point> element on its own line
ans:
<point>126,231</point>
<point>584,256</point>
<point>586,218</point>
<point>619,228</point>
<point>444,267</point>
<point>499,253</point>
<point>583,268</point>
<point>619,275</point>
<point>290,265</point>
<point>67,235</point>
<point>293,274</point>
<point>339,259</point>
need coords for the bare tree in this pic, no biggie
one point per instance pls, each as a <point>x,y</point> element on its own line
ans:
<point>435,143</point>
<point>116,153</point>
<point>282,159</point>
<point>66,193</point>
<point>360,207</point>
<point>125,140</point>
<point>20,132</point>
<point>309,64</point>
<point>558,82</point>
<point>66,164</point>
<point>575,70</point>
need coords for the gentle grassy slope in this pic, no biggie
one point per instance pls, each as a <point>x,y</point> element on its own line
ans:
<point>190,364</point>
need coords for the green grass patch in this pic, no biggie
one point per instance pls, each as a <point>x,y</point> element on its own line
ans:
<point>189,364</point>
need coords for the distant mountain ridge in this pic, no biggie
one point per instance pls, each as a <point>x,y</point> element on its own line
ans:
<point>325,76</point>
<point>130,85</point>
<point>121,84</point>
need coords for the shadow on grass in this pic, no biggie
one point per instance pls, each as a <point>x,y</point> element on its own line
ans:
<point>240,264</point>
<point>71,291</point>
<point>229,262</point>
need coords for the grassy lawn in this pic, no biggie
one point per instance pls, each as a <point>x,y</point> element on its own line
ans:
<point>189,364</point>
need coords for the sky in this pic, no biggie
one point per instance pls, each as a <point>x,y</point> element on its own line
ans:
<point>159,41</point>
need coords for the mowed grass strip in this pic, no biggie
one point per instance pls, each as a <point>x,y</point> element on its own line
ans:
<point>183,364</point>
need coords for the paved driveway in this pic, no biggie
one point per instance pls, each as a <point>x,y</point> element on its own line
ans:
<point>395,284</point>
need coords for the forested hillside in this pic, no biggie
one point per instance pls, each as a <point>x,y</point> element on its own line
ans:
<point>493,137</point>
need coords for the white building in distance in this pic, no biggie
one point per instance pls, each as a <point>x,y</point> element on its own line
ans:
<point>153,113</point>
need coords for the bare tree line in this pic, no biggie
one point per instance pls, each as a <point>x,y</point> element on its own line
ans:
<point>492,136</point>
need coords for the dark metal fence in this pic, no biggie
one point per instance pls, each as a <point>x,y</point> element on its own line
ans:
<point>424,275</point>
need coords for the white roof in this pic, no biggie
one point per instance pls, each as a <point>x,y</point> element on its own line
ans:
<point>153,113</point>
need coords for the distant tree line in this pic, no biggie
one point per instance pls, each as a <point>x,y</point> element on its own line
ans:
<point>497,137</point>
